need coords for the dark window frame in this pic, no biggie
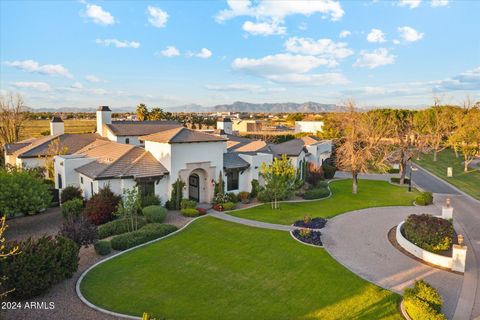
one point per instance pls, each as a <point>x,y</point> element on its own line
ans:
<point>233,180</point>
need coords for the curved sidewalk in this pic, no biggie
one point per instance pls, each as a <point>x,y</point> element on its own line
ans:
<point>358,240</point>
<point>251,223</point>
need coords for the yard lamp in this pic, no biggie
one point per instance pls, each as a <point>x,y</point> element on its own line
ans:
<point>410,179</point>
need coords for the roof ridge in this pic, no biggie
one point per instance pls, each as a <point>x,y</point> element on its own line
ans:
<point>115,161</point>
<point>20,151</point>
<point>180,129</point>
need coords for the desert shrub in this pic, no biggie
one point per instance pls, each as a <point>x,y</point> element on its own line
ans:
<point>428,232</point>
<point>22,191</point>
<point>115,227</point>
<point>101,206</point>
<point>231,197</point>
<point>72,208</point>
<point>150,200</point>
<point>316,193</point>
<point>188,204</point>
<point>244,196</point>
<point>70,193</point>
<point>255,188</point>
<point>79,229</point>
<point>424,199</point>
<point>155,214</point>
<point>190,212</point>
<point>229,206</point>
<point>146,233</point>
<point>397,180</point>
<point>40,264</point>
<point>328,170</point>
<point>102,247</point>
<point>423,302</point>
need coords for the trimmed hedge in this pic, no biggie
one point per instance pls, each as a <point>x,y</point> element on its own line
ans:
<point>316,193</point>
<point>190,212</point>
<point>154,214</point>
<point>150,200</point>
<point>328,171</point>
<point>397,180</point>
<point>72,208</point>
<point>146,233</point>
<point>116,227</point>
<point>103,247</point>
<point>255,188</point>
<point>187,204</point>
<point>229,206</point>
<point>424,199</point>
<point>423,302</point>
<point>393,170</point>
<point>428,232</point>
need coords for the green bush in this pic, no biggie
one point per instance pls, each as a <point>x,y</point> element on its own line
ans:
<point>190,212</point>
<point>116,227</point>
<point>176,195</point>
<point>328,171</point>
<point>229,206</point>
<point>150,200</point>
<point>22,191</point>
<point>255,188</point>
<point>231,197</point>
<point>264,196</point>
<point>424,199</point>
<point>397,180</point>
<point>187,204</point>
<point>100,208</point>
<point>154,214</point>
<point>135,238</point>
<point>72,208</point>
<point>317,193</point>
<point>103,247</point>
<point>393,170</point>
<point>70,193</point>
<point>40,264</point>
<point>423,302</point>
<point>428,232</point>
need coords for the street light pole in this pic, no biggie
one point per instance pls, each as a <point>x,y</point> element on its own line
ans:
<point>410,178</point>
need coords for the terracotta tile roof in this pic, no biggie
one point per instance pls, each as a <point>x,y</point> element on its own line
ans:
<point>140,128</point>
<point>182,135</point>
<point>231,160</point>
<point>39,147</point>
<point>117,160</point>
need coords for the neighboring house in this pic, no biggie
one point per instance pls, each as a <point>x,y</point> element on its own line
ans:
<point>240,125</point>
<point>308,126</point>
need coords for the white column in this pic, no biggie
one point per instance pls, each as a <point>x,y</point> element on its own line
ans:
<point>447,212</point>
<point>459,256</point>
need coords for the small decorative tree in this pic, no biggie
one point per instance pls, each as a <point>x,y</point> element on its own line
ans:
<point>219,190</point>
<point>279,179</point>
<point>177,194</point>
<point>129,207</point>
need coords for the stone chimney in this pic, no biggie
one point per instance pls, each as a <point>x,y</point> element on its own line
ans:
<point>57,126</point>
<point>225,124</point>
<point>104,116</point>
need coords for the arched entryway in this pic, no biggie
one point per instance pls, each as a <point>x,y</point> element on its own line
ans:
<point>194,187</point>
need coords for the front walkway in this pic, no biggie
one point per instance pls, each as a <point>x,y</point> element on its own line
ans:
<point>251,223</point>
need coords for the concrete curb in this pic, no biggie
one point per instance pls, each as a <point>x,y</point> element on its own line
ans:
<point>112,313</point>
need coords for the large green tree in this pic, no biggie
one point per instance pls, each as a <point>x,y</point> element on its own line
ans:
<point>279,178</point>
<point>466,136</point>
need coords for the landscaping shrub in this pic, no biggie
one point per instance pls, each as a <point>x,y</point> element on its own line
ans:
<point>229,206</point>
<point>424,199</point>
<point>146,233</point>
<point>202,211</point>
<point>188,204</point>
<point>72,208</point>
<point>22,191</point>
<point>308,236</point>
<point>397,180</point>
<point>314,174</point>
<point>307,222</point>
<point>393,171</point>
<point>40,264</point>
<point>176,196</point>
<point>79,229</point>
<point>428,232</point>
<point>116,227</point>
<point>190,212</point>
<point>264,196</point>
<point>255,188</point>
<point>150,200</point>
<point>423,302</point>
<point>328,170</point>
<point>244,196</point>
<point>231,197</point>
<point>316,193</point>
<point>103,247</point>
<point>154,214</point>
<point>100,208</point>
<point>70,193</point>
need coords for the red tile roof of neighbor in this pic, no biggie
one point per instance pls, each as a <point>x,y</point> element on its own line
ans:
<point>182,135</point>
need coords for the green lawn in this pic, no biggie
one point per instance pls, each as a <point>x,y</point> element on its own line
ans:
<point>220,270</point>
<point>468,182</point>
<point>370,194</point>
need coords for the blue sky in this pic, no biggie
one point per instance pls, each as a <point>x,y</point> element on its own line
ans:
<point>169,53</point>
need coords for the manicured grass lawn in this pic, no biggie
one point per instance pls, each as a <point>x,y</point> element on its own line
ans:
<point>220,270</point>
<point>34,128</point>
<point>371,193</point>
<point>468,182</point>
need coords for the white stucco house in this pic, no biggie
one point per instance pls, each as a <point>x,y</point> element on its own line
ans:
<point>308,126</point>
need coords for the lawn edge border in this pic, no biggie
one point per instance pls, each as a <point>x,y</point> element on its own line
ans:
<point>84,273</point>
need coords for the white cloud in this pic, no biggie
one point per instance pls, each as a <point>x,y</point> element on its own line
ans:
<point>396,41</point>
<point>92,78</point>
<point>375,58</point>
<point>322,47</point>
<point>468,80</point>
<point>412,4</point>
<point>439,3</point>
<point>157,17</point>
<point>344,33</point>
<point>98,15</point>
<point>170,51</point>
<point>76,85</point>
<point>118,43</point>
<point>263,28</point>
<point>34,66</point>
<point>40,86</point>
<point>376,35</point>
<point>409,34</point>
<point>98,91</point>
<point>204,54</point>
<point>242,87</point>
<point>333,78</point>
<point>303,26</point>
<point>279,64</point>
